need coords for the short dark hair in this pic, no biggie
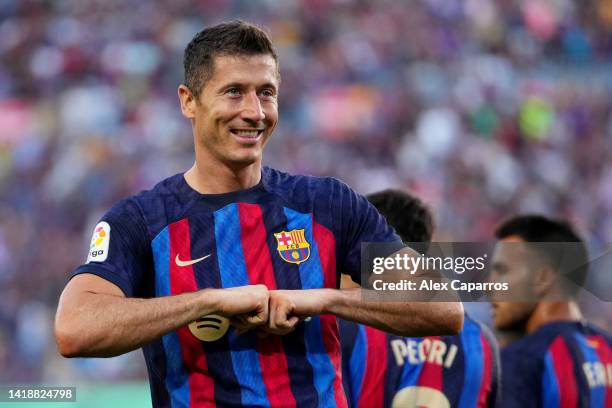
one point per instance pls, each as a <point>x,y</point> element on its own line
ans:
<point>406,213</point>
<point>569,259</point>
<point>230,38</point>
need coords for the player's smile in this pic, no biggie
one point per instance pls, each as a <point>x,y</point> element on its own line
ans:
<point>247,135</point>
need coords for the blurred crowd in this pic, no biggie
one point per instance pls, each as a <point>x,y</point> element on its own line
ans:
<point>484,108</point>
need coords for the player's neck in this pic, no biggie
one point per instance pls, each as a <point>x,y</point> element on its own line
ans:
<point>548,312</point>
<point>219,179</point>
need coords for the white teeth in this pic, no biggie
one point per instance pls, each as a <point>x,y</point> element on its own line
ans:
<point>246,133</point>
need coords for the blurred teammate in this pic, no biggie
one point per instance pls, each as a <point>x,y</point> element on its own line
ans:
<point>232,243</point>
<point>561,361</point>
<point>383,370</point>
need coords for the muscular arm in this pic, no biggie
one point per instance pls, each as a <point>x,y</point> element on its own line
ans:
<point>412,319</point>
<point>95,319</point>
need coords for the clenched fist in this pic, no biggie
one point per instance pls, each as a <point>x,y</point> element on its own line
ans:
<point>246,306</point>
<point>290,307</point>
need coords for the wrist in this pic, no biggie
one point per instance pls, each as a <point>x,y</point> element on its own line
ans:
<point>331,300</point>
<point>209,302</point>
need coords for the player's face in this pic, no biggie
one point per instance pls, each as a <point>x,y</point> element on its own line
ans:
<point>511,263</point>
<point>237,110</point>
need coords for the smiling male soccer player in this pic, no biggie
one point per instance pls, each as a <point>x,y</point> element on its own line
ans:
<point>230,239</point>
<point>384,370</point>
<point>561,361</point>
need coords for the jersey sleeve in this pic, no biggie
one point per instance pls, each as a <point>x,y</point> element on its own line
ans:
<point>361,222</point>
<point>521,378</point>
<point>119,250</point>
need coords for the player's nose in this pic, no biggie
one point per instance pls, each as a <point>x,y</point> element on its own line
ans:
<point>252,109</point>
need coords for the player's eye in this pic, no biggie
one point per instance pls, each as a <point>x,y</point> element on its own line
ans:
<point>268,93</point>
<point>233,91</point>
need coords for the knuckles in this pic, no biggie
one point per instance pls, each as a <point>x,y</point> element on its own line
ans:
<point>270,311</point>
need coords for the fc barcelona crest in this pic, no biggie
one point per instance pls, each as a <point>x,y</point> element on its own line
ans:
<point>292,246</point>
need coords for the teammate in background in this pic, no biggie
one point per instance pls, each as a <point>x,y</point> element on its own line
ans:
<point>383,370</point>
<point>233,242</point>
<point>561,361</point>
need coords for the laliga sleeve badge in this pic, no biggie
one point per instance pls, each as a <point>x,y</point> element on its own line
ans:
<point>209,328</point>
<point>98,249</point>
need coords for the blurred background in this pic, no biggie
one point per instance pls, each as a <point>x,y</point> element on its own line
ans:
<point>484,108</point>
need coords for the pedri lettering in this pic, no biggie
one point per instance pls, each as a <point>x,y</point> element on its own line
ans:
<point>426,350</point>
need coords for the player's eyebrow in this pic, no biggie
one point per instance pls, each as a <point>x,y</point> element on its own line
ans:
<point>240,85</point>
<point>269,85</point>
<point>230,85</point>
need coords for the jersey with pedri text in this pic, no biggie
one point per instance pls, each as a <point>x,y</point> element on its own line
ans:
<point>384,370</point>
<point>562,364</point>
<point>288,232</point>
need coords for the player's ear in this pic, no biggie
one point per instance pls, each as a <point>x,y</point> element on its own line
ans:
<point>188,101</point>
<point>544,281</point>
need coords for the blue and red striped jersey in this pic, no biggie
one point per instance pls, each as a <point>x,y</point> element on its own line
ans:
<point>383,370</point>
<point>562,364</point>
<point>288,232</point>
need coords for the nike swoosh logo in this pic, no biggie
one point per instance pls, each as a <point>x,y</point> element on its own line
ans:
<point>190,262</point>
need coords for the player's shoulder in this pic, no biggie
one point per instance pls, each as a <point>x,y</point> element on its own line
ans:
<point>552,331</point>
<point>307,192</point>
<point>168,187</point>
<point>278,179</point>
<point>537,344</point>
<point>591,329</point>
<point>172,193</point>
<point>127,209</point>
<point>167,197</point>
